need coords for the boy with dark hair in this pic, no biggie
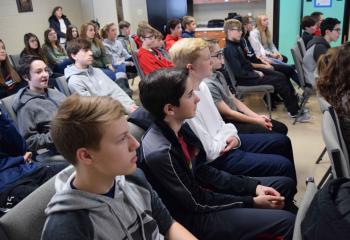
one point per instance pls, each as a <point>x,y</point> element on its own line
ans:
<point>97,201</point>
<point>125,38</point>
<point>89,81</point>
<point>308,24</point>
<point>213,204</point>
<point>330,32</point>
<point>36,104</point>
<point>19,175</point>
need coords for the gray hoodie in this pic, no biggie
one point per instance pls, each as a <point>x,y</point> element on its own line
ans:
<point>93,82</point>
<point>116,51</point>
<point>135,212</point>
<point>34,114</point>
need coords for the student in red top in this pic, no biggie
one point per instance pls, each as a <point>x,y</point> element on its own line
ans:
<point>318,16</point>
<point>174,31</point>
<point>150,58</point>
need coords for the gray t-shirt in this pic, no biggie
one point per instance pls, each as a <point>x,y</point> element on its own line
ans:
<point>219,89</point>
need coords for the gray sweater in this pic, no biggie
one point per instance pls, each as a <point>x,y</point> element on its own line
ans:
<point>34,114</point>
<point>93,82</point>
<point>134,212</point>
<point>116,51</point>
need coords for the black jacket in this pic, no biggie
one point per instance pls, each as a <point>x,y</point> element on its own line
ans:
<point>307,37</point>
<point>55,24</point>
<point>241,67</point>
<point>183,189</point>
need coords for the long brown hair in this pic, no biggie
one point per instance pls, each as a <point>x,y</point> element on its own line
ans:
<point>264,32</point>
<point>15,77</point>
<point>333,83</point>
<point>95,40</point>
<point>49,44</point>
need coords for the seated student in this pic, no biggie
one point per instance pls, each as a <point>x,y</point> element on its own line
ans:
<point>10,82</point>
<point>101,199</point>
<point>120,58</point>
<point>72,33</point>
<point>333,84</point>
<point>260,63</point>
<point>159,45</point>
<point>125,38</point>
<point>55,54</point>
<point>210,203</point>
<point>89,81</point>
<point>150,59</point>
<point>189,25</point>
<point>36,104</point>
<point>232,109</point>
<point>246,76</point>
<point>242,154</point>
<point>173,30</point>
<point>100,60</point>
<point>308,24</point>
<point>19,175</point>
<point>330,32</point>
<point>318,16</point>
<point>31,46</point>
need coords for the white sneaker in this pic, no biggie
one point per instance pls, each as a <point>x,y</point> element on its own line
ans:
<point>303,118</point>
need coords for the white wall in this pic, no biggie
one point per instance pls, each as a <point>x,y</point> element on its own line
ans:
<point>205,12</point>
<point>14,25</point>
<point>135,11</point>
<point>269,13</point>
<point>105,11</point>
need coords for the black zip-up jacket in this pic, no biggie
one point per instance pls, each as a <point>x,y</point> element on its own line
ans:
<point>241,67</point>
<point>185,190</point>
<point>55,24</point>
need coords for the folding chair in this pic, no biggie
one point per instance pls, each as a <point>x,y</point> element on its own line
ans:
<point>15,60</point>
<point>324,106</point>
<point>309,194</point>
<point>62,85</point>
<point>301,46</point>
<point>306,87</point>
<point>241,90</point>
<point>6,105</point>
<point>137,65</point>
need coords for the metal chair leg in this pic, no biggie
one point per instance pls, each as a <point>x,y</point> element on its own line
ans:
<point>328,175</point>
<point>269,104</point>
<point>319,159</point>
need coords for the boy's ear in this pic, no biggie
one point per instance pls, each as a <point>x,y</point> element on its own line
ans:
<point>169,110</point>
<point>189,66</point>
<point>84,156</point>
<point>73,56</point>
<point>25,77</point>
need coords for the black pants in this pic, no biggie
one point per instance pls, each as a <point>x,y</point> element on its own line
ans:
<point>20,189</point>
<point>242,127</point>
<point>282,87</point>
<point>247,223</point>
<point>288,71</point>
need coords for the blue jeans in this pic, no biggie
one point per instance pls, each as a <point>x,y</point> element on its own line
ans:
<point>109,73</point>
<point>260,155</point>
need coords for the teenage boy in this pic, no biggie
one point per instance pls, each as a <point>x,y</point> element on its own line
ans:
<point>189,26</point>
<point>247,76</point>
<point>36,104</point>
<point>330,32</point>
<point>308,24</point>
<point>210,203</point>
<point>150,58</point>
<point>125,38</point>
<point>19,175</point>
<point>97,201</point>
<point>241,154</point>
<point>89,81</point>
<point>232,109</point>
<point>318,16</point>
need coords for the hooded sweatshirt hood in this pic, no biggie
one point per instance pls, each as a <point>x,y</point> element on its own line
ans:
<point>318,40</point>
<point>118,216</point>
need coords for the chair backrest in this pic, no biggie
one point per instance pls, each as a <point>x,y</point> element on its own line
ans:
<point>298,61</point>
<point>26,220</point>
<point>63,85</point>
<point>332,139</point>
<point>301,46</point>
<point>6,105</point>
<point>230,73</point>
<point>309,66</point>
<point>324,105</point>
<point>309,194</point>
<point>137,65</point>
<point>15,60</point>
<point>136,131</point>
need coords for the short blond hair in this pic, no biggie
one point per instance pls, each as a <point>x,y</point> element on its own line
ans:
<point>187,20</point>
<point>80,122</point>
<point>186,51</point>
<point>231,23</point>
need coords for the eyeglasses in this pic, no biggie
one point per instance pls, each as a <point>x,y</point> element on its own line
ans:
<point>236,29</point>
<point>337,29</point>
<point>150,37</point>
<point>218,55</point>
